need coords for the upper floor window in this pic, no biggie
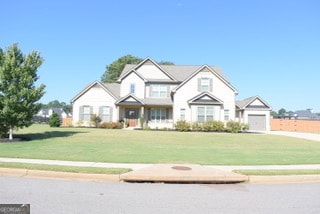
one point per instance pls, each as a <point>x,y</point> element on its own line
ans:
<point>158,90</point>
<point>205,84</point>
<point>132,88</point>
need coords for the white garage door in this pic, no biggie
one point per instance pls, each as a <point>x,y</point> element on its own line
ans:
<point>257,122</point>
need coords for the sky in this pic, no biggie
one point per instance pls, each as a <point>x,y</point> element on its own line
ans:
<point>269,48</point>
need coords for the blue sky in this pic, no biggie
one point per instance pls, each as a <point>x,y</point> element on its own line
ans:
<point>269,48</point>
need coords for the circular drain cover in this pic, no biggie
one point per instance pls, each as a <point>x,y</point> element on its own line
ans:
<point>181,168</point>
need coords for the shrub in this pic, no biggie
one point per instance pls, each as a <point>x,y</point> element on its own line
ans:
<point>146,127</point>
<point>54,120</point>
<point>182,126</point>
<point>111,125</point>
<point>79,123</point>
<point>218,126</point>
<point>95,120</point>
<point>213,126</point>
<point>234,127</point>
<point>196,126</point>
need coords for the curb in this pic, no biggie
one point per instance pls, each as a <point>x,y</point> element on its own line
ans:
<point>282,179</point>
<point>58,175</point>
<point>285,179</point>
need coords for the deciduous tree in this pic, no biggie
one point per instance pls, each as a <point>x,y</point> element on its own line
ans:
<point>18,92</point>
<point>114,70</point>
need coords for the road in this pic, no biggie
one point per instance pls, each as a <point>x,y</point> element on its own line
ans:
<point>62,196</point>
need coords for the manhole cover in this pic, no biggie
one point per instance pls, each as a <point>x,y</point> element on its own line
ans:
<point>181,168</point>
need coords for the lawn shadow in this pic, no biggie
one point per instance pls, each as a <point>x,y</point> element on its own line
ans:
<point>46,135</point>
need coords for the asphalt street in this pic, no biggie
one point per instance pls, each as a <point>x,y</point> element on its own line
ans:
<point>60,196</point>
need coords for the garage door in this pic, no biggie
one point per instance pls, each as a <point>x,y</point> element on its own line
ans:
<point>257,122</point>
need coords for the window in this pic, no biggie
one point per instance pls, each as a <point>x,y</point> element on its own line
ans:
<point>159,90</point>
<point>205,113</point>
<point>182,114</point>
<point>105,113</point>
<point>132,88</point>
<point>158,115</point>
<point>226,115</point>
<point>204,84</point>
<point>85,113</point>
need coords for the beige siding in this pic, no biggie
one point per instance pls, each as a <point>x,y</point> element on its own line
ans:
<point>190,90</point>
<point>133,78</point>
<point>151,72</point>
<point>256,112</point>
<point>257,103</point>
<point>94,97</point>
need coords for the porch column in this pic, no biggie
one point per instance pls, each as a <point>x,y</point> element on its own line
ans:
<point>142,111</point>
<point>117,113</point>
<point>141,114</point>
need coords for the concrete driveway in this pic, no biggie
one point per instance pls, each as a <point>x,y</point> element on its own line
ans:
<point>308,136</point>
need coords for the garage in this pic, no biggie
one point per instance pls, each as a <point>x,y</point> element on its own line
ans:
<point>257,122</point>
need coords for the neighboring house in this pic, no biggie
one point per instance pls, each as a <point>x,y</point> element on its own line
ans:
<point>300,115</point>
<point>47,112</point>
<point>306,115</point>
<point>165,94</point>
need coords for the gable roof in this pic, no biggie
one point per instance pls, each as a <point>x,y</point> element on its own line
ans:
<point>205,98</point>
<point>129,100</point>
<point>133,68</point>
<point>178,72</point>
<point>246,103</point>
<point>213,71</point>
<point>112,88</point>
<point>182,72</point>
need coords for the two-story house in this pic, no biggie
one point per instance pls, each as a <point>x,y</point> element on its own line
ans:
<point>165,94</point>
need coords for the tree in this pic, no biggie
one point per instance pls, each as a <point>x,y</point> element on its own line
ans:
<point>56,104</point>
<point>114,70</point>
<point>54,120</point>
<point>166,63</point>
<point>282,111</point>
<point>18,93</point>
<point>273,114</point>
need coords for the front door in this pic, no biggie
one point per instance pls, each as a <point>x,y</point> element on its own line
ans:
<point>132,115</point>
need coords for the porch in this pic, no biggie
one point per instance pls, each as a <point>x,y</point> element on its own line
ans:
<point>154,117</point>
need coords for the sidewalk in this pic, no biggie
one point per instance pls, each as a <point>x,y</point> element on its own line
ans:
<point>176,173</point>
<point>136,166</point>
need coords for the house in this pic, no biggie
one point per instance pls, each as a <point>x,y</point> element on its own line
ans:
<point>47,112</point>
<point>165,94</point>
<point>306,115</point>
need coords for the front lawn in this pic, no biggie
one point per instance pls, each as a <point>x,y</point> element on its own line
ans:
<point>126,146</point>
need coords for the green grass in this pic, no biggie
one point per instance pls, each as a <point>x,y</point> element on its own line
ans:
<point>279,172</point>
<point>75,169</point>
<point>126,146</point>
